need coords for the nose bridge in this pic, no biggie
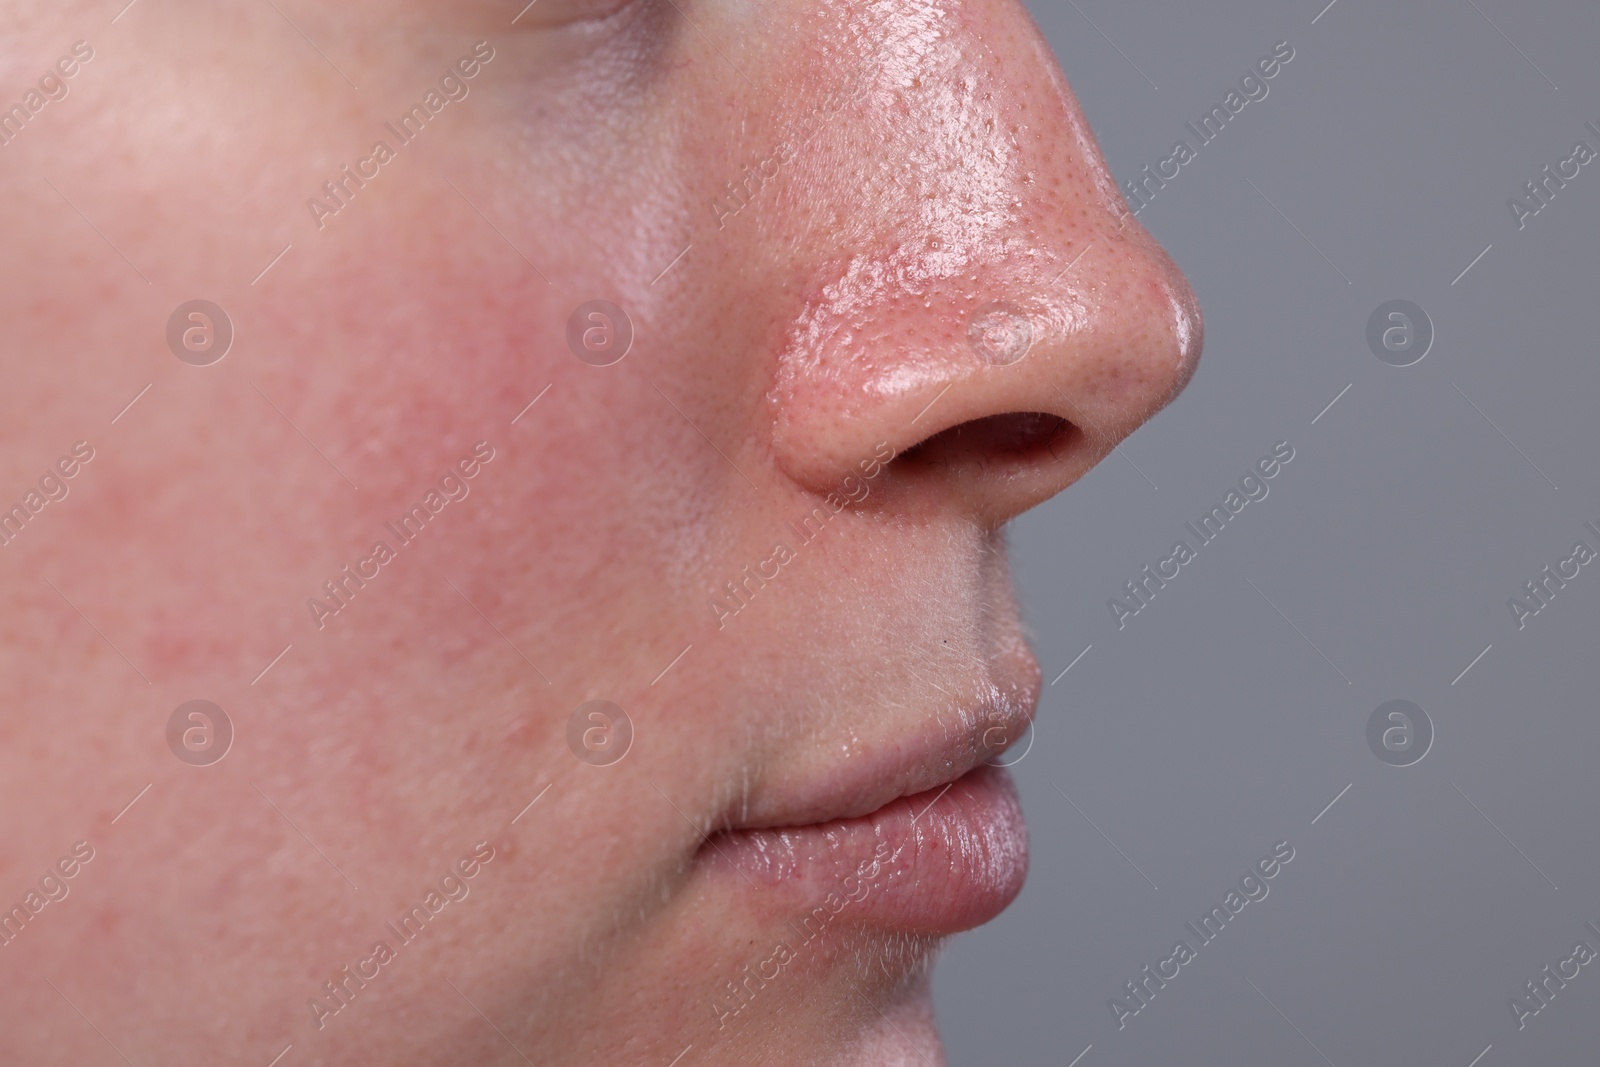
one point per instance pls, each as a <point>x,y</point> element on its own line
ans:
<point>974,260</point>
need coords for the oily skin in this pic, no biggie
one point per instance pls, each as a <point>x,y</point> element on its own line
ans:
<point>951,169</point>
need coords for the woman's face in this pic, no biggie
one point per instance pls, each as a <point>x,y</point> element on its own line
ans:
<point>883,296</point>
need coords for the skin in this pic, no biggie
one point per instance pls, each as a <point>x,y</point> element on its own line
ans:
<point>933,162</point>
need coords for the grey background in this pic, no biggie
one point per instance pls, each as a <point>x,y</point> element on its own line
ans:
<point>1208,728</point>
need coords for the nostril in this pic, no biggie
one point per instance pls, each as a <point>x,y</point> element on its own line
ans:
<point>1012,440</point>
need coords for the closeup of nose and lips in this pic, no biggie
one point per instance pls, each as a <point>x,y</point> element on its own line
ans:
<point>994,386</point>
<point>998,356</point>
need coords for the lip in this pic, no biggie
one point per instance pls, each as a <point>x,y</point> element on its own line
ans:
<point>920,834</point>
<point>980,721</point>
<point>933,863</point>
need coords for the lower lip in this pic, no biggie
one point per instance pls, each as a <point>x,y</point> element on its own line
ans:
<point>938,862</point>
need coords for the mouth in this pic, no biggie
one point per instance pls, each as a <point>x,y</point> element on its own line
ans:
<point>919,833</point>
<point>933,863</point>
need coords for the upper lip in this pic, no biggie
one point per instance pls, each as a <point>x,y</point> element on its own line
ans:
<point>982,719</point>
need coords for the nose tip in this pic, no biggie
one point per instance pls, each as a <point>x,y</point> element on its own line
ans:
<point>996,392</point>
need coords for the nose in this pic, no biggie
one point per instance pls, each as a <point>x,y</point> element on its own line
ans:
<point>978,297</point>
